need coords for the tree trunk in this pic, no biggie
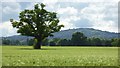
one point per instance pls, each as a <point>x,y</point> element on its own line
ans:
<point>38,44</point>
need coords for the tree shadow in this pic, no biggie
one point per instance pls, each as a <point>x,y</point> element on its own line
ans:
<point>26,49</point>
<point>37,49</point>
<point>48,49</point>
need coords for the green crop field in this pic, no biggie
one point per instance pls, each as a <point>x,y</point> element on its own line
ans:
<point>59,56</point>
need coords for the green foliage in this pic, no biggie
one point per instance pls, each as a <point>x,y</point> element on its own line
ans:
<point>5,41</point>
<point>30,42</point>
<point>78,38</point>
<point>38,23</point>
<point>45,42</point>
<point>66,42</point>
<point>59,56</point>
<point>63,42</point>
<point>52,43</point>
<point>95,41</point>
<point>115,42</point>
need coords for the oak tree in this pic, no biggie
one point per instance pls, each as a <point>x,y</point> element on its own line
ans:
<point>38,23</point>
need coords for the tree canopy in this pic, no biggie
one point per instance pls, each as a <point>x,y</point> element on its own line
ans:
<point>78,38</point>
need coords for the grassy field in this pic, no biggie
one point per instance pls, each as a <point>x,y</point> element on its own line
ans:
<point>59,56</point>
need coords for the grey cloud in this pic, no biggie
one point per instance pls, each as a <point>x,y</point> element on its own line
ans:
<point>10,10</point>
<point>82,23</point>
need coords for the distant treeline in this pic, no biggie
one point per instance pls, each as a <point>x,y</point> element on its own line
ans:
<point>78,39</point>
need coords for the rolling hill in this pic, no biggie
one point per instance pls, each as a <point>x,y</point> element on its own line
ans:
<point>67,34</point>
<point>89,32</point>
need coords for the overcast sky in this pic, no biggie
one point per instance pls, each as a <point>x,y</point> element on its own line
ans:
<point>98,14</point>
